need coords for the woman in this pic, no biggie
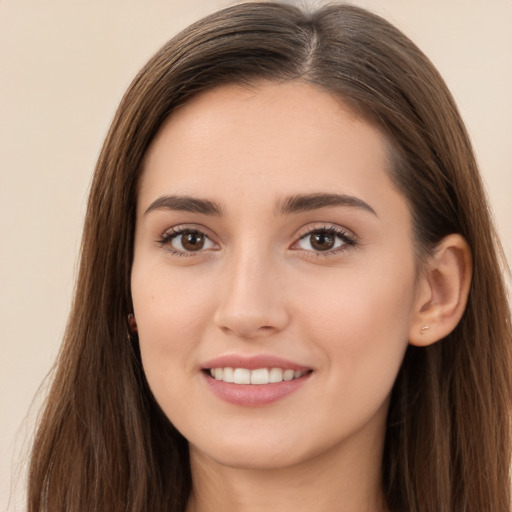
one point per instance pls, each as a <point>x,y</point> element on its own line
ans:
<point>290,290</point>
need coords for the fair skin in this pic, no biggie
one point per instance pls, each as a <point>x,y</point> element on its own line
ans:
<point>228,266</point>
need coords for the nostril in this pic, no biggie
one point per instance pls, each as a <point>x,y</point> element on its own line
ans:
<point>247,328</point>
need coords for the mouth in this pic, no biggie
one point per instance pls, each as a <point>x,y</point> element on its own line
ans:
<point>257,376</point>
<point>254,381</point>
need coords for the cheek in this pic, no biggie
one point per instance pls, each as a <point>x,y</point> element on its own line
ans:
<point>360,322</point>
<point>171,315</point>
<point>168,302</point>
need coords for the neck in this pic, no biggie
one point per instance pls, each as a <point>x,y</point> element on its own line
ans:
<point>347,479</point>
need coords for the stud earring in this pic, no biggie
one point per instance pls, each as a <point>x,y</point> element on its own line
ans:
<point>424,329</point>
<point>132,323</point>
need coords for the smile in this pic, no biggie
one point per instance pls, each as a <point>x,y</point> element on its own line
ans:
<point>259,376</point>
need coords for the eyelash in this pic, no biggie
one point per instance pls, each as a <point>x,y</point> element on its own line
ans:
<point>348,239</point>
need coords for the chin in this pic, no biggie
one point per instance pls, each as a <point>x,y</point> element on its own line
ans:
<point>251,456</point>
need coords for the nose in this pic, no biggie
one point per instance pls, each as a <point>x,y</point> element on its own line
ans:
<point>251,300</point>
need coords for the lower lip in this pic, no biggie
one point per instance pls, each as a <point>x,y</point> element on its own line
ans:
<point>254,395</point>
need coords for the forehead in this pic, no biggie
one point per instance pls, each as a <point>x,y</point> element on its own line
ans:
<point>236,143</point>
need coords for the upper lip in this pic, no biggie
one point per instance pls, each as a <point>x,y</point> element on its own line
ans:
<point>253,362</point>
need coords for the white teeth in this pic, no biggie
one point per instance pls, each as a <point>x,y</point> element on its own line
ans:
<point>228,375</point>
<point>259,376</point>
<point>275,375</point>
<point>242,376</point>
<point>288,375</point>
<point>256,377</point>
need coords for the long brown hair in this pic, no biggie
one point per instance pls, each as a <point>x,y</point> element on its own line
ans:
<point>104,445</point>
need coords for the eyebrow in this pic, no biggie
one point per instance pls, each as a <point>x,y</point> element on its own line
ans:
<point>186,204</point>
<point>293,204</point>
<point>308,202</point>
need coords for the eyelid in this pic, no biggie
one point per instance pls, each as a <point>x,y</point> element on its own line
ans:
<point>321,226</point>
<point>188,226</point>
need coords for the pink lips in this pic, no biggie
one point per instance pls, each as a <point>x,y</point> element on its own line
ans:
<point>250,395</point>
<point>252,362</point>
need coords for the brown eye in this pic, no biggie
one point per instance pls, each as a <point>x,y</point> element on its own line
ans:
<point>192,241</point>
<point>189,241</point>
<point>322,241</point>
<point>325,240</point>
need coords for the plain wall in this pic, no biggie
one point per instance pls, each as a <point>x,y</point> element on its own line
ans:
<point>64,66</point>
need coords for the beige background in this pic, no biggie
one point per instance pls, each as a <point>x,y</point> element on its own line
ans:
<point>63,68</point>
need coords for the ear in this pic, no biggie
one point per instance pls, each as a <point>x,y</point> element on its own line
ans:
<point>132,323</point>
<point>443,290</point>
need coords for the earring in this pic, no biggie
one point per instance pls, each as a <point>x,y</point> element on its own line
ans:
<point>424,329</point>
<point>132,323</point>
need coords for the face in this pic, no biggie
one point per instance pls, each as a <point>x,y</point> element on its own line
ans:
<point>273,281</point>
